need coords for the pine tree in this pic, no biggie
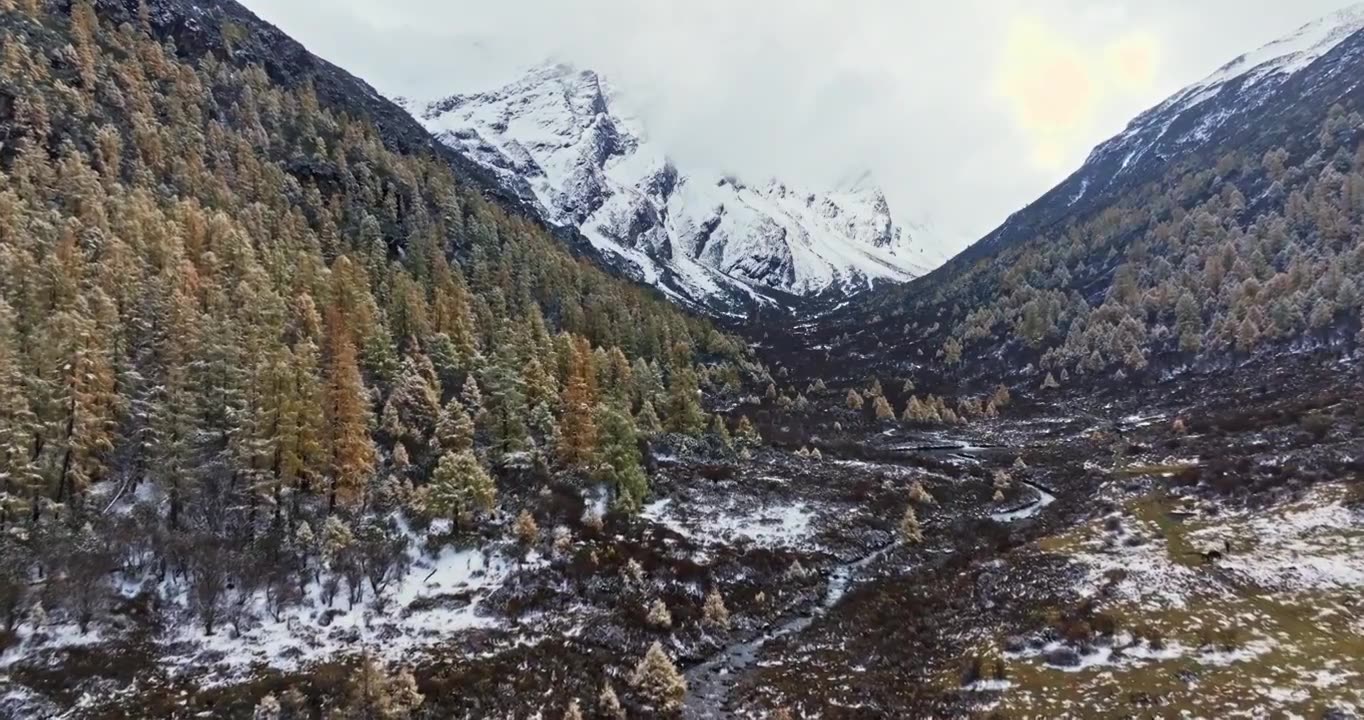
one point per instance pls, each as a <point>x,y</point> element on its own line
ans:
<point>647,421</point>
<point>921,412</point>
<point>472,398</point>
<point>461,487</point>
<point>746,433</point>
<point>918,494</point>
<point>1247,335</point>
<point>350,449</point>
<point>374,694</point>
<point>454,428</point>
<point>540,386</point>
<point>952,352</point>
<point>714,613</point>
<point>88,401</point>
<point>854,401</point>
<point>657,680</point>
<point>882,408</point>
<point>84,27</point>
<point>909,526</point>
<point>659,617</point>
<point>684,413</point>
<point>505,402</point>
<point>1189,320</point>
<point>411,413</point>
<point>297,418</point>
<point>20,479</point>
<point>267,709</point>
<point>608,704</point>
<point>526,531</point>
<point>620,466</point>
<point>720,430</point>
<point>577,446</point>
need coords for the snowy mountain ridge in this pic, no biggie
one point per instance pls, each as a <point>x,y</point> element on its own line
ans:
<point>1252,77</point>
<point>1300,70</point>
<point>564,141</point>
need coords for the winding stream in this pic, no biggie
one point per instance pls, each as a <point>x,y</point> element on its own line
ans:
<point>709,684</point>
<point>1044,498</point>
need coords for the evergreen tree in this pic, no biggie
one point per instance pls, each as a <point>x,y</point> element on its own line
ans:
<point>882,408</point>
<point>350,449</point>
<point>608,704</point>
<point>684,413</point>
<point>454,428</point>
<point>909,526</point>
<point>620,466</point>
<point>714,613</point>
<point>472,398</point>
<point>854,401</point>
<point>461,487</point>
<point>505,402</point>
<point>20,479</point>
<point>1189,320</point>
<point>647,421</point>
<point>577,445</point>
<point>720,430</point>
<point>747,434</point>
<point>412,410</point>
<point>657,680</point>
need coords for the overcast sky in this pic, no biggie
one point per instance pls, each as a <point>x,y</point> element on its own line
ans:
<point>964,110</point>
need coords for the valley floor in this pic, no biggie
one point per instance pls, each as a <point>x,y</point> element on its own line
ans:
<point>1192,549</point>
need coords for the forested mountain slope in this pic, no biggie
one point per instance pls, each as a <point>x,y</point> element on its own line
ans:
<point>1234,231</point>
<point>253,326</point>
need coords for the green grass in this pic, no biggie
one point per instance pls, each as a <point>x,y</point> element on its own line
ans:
<point>1305,634</point>
<point>1300,639</point>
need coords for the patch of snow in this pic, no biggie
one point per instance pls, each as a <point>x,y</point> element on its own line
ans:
<point>787,525</point>
<point>438,597</point>
<point>1315,544</point>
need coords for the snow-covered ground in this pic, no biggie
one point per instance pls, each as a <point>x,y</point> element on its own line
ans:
<point>1271,624</point>
<point>436,598</point>
<point>1315,544</point>
<point>728,522</point>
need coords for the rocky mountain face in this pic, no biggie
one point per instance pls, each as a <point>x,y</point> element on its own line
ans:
<point>1244,102</point>
<point>564,141</point>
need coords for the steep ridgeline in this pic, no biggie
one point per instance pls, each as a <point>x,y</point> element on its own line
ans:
<point>564,141</point>
<point>1277,82</point>
<point>1223,223</point>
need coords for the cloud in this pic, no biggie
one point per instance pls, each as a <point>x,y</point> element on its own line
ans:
<point>1055,85</point>
<point>963,110</point>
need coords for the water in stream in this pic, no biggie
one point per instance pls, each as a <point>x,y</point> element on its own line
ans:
<point>709,684</point>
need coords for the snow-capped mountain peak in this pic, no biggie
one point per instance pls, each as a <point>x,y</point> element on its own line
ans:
<point>567,142</point>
